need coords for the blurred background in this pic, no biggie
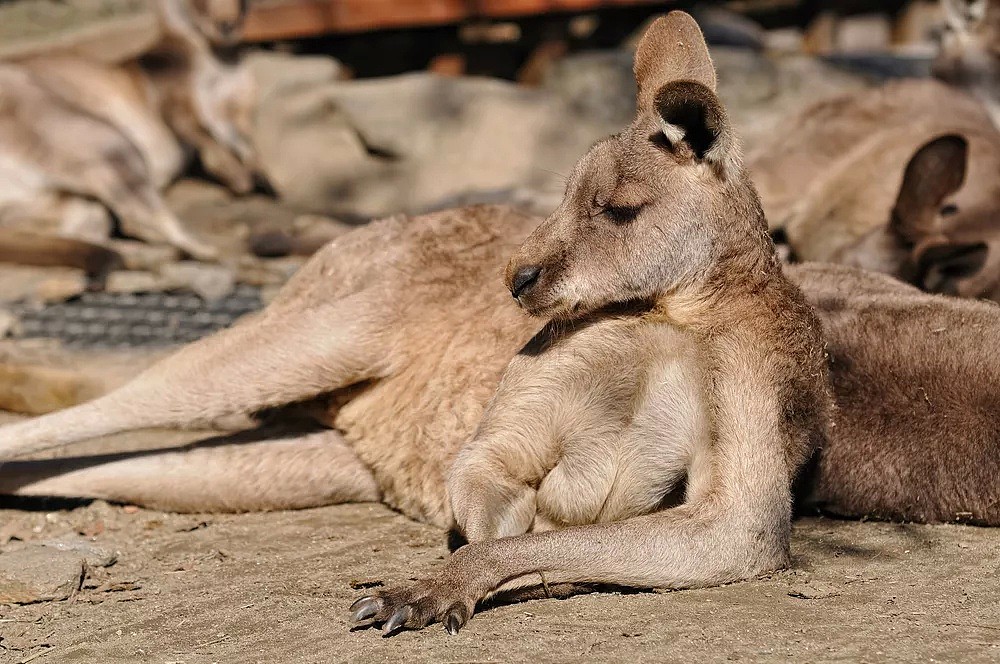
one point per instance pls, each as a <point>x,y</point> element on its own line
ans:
<point>191,154</point>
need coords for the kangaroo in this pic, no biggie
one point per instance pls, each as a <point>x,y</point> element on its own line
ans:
<point>836,174</point>
<point>647,435</point>
<point>926,241</point>
<point>74,132</point>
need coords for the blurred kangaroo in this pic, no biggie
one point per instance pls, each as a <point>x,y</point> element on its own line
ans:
<point>969,57</point>
<point>80,138</point>
<point>935,238</point>
<point>681,368</point>
<point>835,180</point>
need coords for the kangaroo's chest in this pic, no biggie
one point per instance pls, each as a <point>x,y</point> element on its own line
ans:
<point>629,422</point>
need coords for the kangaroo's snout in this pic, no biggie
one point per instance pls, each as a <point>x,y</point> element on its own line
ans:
<point>524,278</point>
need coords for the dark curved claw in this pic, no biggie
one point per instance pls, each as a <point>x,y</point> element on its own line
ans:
<point>365,608</point>
<point>455,619</point>
<point>398,619</point>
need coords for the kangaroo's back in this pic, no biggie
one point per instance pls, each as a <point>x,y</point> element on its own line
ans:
<point>917,388</point>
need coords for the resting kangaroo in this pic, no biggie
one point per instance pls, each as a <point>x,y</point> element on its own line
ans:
<point>838,178</point>
<point>680,366</point>
<point>80,138</point>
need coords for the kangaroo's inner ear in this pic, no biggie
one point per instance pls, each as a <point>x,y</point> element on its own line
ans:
<point>935,172</point>
<point>692,115</point>
<point>940,268</point>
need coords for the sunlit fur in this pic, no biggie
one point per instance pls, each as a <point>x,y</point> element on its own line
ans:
<point>81,138</point>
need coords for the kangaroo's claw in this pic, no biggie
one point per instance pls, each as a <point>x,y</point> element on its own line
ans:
<point>365,608</point>
<point>416,607</point>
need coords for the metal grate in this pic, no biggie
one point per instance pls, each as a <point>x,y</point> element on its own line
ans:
<point>127,320</point>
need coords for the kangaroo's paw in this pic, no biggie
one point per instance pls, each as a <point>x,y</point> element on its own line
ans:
<point>417,606</point>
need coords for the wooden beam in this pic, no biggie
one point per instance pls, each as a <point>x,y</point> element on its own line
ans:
<point>304,18</point>
<point>271,20</point>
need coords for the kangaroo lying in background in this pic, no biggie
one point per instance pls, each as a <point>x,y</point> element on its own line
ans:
<point>927,241</point>
<point>82,138</point>
<point>680,365</point>
<point>834,181</point>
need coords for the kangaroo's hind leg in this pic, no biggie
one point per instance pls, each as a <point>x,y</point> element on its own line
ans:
<point>232,474</point>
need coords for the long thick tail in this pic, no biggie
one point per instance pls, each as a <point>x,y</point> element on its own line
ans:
<point>243,473</point>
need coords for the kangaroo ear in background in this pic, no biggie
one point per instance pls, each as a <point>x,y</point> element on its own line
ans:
<point>691,114</point>
<point>941,267</point>
<point>935,172</point>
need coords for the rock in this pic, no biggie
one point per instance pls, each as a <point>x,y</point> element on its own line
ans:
<point>813,590</point>
<point>598,85</point>
<point>93,555</point>
<point>9,324</point>
<point>787,40</point>
<point>723,27</point>
<point>211,282</point>
<point>763,90</point>
<point>62,287</point>
<point>864,33</point>
<point>136,281</point>
<point>142,256</point>
<point>370,148</point>
<point>39,574</point>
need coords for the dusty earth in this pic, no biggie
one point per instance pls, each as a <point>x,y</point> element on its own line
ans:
<point>275,588</point>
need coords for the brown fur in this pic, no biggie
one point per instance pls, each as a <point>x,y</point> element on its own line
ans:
<point>679,358</point>
<point>932,240</point>
<point>834,179</point>
<point>917,385</point>
<point>117,134</point>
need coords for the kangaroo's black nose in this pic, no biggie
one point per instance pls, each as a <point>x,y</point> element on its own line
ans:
<point>524,279</point>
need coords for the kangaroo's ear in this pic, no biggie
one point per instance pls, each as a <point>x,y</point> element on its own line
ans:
<point>671,49</point>
<point>935,172</point>
<point>692,117</point>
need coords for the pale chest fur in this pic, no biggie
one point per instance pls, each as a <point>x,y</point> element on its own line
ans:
<point>616,415</point>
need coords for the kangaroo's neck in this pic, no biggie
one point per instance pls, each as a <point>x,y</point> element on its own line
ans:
<point>765,357</point>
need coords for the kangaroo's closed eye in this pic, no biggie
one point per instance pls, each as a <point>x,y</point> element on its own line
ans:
<point>621,214</point>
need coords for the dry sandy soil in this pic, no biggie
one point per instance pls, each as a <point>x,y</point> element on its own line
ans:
<point>275,588</point>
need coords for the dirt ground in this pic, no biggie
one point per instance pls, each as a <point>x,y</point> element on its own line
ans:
<point>275,588</point>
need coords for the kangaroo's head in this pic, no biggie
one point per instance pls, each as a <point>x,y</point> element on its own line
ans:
<point>944,232</point>
<point>661,208</point>
<point>227,105</point>
<point>970,49</point>
<point>220,21</point>
<point>209,99</point>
